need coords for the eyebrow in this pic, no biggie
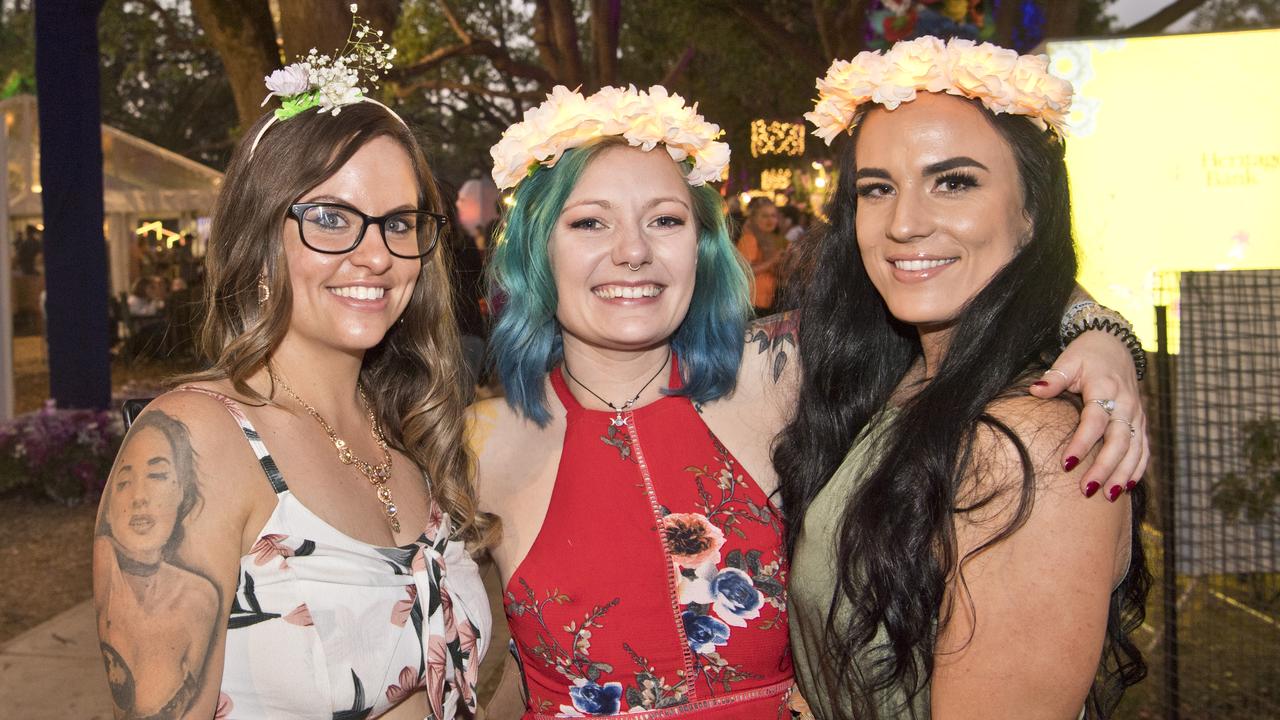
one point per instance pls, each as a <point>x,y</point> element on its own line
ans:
<point>659,201</point>
<point>159,459</point>
<point>952,164</point>
<point>608,205</point>
<point>602,203</point>
<point>934,169</point>
<point>333,199</point>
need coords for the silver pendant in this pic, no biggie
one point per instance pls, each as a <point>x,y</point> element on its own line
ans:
<point>618,420</point>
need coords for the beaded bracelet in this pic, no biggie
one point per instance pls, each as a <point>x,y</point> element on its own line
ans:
<point>1088,315</point>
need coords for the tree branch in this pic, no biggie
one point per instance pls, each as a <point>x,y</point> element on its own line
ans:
<point>403,91</point>
<point>773,33</point>
<point>678,67</point>
<point>451,16</point>
<point>1163,17</point>
<point>502,61</point>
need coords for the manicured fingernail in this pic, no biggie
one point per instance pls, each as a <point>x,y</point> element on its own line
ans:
<point>1114,492</point>
<point>1041,383</point>
<point>1070,463</point>
<point>1131,485</point>
<point>1091,488</point>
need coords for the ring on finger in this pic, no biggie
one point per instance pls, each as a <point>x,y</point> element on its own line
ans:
<point>1133,432</point>
<point>1056,370</point>
<point>1108,406</point>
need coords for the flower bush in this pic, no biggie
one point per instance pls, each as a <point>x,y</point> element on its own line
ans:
<point>64,454</point>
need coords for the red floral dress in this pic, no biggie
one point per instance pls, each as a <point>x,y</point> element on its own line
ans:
<point>656,586</point>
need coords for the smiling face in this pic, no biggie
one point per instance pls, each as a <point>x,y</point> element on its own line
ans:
<point>630,208</point>
<point>349,301</point>
<point>940,206</point>
<point>145,495</point>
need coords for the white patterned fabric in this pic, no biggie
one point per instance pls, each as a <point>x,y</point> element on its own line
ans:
<point>326,626</point>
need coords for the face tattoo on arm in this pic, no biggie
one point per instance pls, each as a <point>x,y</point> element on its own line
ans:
<point>156,618</point>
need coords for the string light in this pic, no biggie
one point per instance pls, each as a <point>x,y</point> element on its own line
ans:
<point>775,179</point>
<point>774,137</point>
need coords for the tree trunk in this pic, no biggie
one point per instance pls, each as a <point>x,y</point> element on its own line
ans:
<point>1061,18</point>
<point>606,15</point>
<point>325,24</point>
<point>548,53</point>
<point>1007,21</point>
<point>841,27</point>
<point>242,33</point>
<point>564,33</point>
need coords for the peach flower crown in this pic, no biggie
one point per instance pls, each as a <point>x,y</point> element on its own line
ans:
<point>645,119</point>
<point>999,78</point>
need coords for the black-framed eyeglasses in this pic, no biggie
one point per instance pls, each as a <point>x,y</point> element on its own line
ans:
<point>336,229</point>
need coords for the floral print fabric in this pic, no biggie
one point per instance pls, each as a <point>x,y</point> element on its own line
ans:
<point>325,626</point>
<point>656,584</point>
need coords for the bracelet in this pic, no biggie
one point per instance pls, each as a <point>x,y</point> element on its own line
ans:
<point>1088,315</point>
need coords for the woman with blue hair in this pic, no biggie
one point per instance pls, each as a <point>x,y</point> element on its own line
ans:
<point>642,561</point>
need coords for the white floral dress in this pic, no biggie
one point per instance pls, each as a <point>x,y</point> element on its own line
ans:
<point>325,626</point>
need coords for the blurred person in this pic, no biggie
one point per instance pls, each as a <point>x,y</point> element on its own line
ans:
<point>146,299</point>
<point>27,249</point>
<point>762,245</point>
<point>791,223</point>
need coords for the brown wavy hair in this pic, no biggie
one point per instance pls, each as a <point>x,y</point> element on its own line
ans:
<point>414,377</point>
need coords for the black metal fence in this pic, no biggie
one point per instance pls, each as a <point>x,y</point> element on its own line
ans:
<point>1212,636</point>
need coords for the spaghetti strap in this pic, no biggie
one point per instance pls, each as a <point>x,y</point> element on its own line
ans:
<point>562,390</point>
<point>250,433</point>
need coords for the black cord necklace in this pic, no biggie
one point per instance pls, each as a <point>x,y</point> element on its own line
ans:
<point>617,420</point>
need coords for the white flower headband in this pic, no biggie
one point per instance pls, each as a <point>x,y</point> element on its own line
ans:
<point>331,83</point>
<point>568,120</point>
<point>1000,79</point>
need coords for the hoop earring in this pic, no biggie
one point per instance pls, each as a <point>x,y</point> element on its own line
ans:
<point>264,290</point>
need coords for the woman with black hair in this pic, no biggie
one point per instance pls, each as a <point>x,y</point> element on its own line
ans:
<point>942,562</point>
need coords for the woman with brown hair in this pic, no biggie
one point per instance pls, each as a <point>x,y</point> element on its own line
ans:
<point>337,558</point>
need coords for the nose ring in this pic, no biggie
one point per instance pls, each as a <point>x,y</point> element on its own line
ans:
<point>633,268</point>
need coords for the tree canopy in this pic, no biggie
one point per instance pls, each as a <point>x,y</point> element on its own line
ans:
<point>188,74</point>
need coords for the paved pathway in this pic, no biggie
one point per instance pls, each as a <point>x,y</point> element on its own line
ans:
<point>55,671</point>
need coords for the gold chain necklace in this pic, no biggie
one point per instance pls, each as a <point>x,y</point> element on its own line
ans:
<point>377,475</point>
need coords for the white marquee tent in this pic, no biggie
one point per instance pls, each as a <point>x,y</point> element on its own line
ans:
<point>141,182</point>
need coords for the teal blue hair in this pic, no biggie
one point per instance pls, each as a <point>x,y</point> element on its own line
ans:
<point>525,342</point>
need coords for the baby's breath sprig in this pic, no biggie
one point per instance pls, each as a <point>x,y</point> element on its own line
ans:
<point>332,82</point>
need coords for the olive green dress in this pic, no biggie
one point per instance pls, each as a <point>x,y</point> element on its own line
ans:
<point>813,584</point>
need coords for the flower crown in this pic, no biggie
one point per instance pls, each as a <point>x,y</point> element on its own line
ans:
<point>1000,79</point>
<point>568,120</point>
<point>331,83</point>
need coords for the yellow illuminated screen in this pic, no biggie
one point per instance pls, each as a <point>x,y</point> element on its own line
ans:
<point>1174,157</point>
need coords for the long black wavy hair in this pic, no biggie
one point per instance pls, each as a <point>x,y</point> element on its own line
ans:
<point>896,541</point>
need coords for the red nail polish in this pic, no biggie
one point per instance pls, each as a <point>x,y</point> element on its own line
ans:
<point>1040,383</point>
<point>1114,492</point>
<point>1091,488</point>
<point>1070,463</point>
<point>1131,485</point>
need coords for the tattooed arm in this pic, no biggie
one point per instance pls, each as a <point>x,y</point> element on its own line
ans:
<point>165,558</point>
